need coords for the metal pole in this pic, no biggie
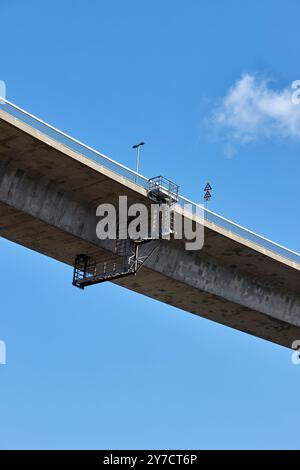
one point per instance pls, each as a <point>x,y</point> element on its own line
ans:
<point>137,147</point>
<point>137,161</point>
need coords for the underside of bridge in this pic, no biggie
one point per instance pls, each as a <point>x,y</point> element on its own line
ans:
<point>48,199</point>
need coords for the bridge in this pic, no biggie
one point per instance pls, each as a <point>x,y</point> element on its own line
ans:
<point>50,187</point>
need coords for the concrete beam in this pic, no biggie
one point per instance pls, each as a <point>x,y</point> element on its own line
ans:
<point>48,196</point>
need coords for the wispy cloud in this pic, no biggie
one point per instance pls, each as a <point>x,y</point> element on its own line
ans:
<point>252,110</point>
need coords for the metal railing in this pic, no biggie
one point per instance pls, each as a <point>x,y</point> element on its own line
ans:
<point>44,128</point>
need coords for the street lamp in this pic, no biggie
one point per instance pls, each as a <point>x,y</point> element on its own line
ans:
<point>138,146</point>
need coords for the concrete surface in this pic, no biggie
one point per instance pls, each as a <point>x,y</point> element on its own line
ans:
<point>48,197</point>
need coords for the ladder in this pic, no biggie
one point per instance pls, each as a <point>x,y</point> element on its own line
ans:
<point>125,261</point>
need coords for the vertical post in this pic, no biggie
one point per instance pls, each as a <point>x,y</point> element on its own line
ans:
<point>136,257</point>
<point>137,146</point>
<point>207,196</point>
<point>137,161</point>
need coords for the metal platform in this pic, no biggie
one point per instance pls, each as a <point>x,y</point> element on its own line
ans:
<point>162,191</point>
<point>125,262</point>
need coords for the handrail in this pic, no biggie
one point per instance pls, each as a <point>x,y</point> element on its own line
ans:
<point>239,226</point>
<point>48,130</point>
<point>32,116</point>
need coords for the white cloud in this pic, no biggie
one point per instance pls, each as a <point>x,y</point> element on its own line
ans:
<point>252,110</point>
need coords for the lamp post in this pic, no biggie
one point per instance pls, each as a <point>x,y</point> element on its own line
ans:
<point>137,147</point>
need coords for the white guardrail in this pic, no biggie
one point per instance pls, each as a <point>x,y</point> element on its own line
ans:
<point>77,146</point>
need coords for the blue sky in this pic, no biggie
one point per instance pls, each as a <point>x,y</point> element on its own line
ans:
<point>107,368</point>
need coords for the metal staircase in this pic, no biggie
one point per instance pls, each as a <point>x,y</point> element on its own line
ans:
<point>126,260</point>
